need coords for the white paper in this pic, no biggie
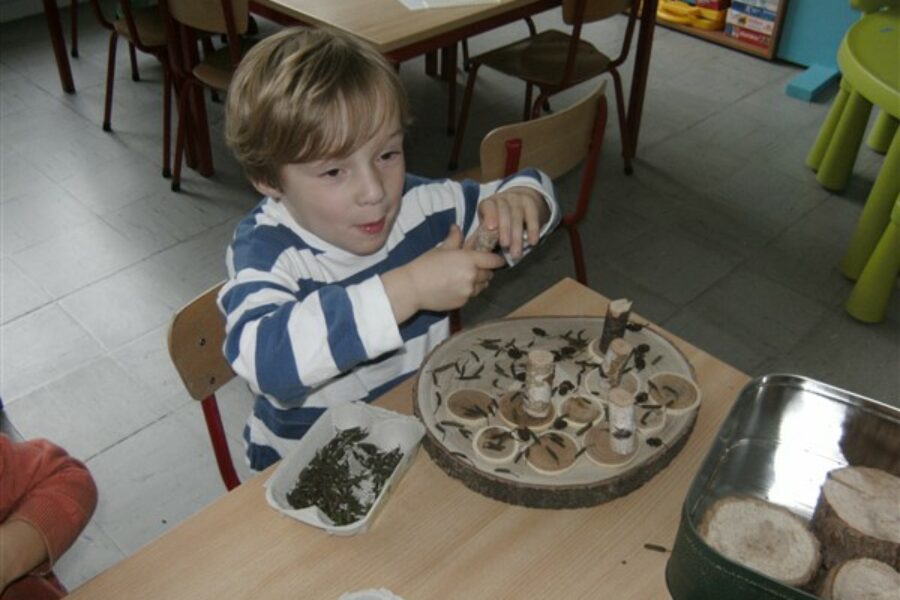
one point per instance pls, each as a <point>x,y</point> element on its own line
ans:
<point>387,430</point>
<point>423,4</point>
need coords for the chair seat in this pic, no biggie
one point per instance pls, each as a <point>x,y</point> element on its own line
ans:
<point>540,59</point>
<point>149,26</point>
<point>869,59</point>
<point>216,70</point>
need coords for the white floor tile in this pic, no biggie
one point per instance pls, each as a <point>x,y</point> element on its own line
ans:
<point>41,347</point>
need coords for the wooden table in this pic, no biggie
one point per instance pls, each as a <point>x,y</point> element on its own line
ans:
<point>435,538</point>
<point>402,34</point>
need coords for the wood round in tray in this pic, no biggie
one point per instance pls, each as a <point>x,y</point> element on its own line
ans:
<point>858,515</point>
<point>472,406</point>
<point>554,473</point>
<point>580,409</point>
<point>762,536</point>
<point>599,448</point>
<point>861,579</point>
<point>496,444</point>
<point>553,452</point>
<point>512,410</point>
<point>673,391</point>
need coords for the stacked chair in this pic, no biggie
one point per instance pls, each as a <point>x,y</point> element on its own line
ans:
<point>142,26</point>
<point>187,23</point>
<point>553,61</point>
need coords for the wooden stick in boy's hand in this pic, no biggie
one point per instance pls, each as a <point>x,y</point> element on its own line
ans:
<point>486,239</point>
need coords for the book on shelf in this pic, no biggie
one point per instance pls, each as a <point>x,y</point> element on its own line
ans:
<point>714,4</point>
<point>771,5</point>
<point>748,36</point>
<point>752,23</point>
<point>753,11</point>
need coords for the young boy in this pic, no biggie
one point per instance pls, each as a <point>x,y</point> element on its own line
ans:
<point>340,279</point>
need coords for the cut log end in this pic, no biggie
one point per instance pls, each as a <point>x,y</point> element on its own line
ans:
<point>764,537</point>
<point>861,579</point>
<point>858,516</point>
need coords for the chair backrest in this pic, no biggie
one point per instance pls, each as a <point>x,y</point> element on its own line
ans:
<point>594,10</point>
<point>212,15</point>
<point>555,143</point>
<point>195,345</point>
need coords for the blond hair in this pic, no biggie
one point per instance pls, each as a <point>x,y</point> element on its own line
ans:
<point>308,94</point>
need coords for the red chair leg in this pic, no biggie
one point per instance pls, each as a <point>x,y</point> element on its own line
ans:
<point>183,116</point>
<point>577,254</point>
<point>74,11</point>
<point>219,442</point>
<point>132,55</point>
<point>110,80</point>
<point>623,123</point>
<point>455,321</point>
<point>167,119</point>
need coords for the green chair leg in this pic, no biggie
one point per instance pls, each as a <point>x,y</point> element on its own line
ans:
<point>870,296</point>
<point>882,132</point>
<point>875,214</point>
<point>817,152</point>
<point>836,166</point>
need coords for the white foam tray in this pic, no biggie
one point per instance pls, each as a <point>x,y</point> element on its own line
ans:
<point>387,430</point>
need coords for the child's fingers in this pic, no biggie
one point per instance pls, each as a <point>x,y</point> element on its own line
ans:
<point>487,211</point>
<point>454,239</point>
<point>532,223</point>
<point>488,260</point>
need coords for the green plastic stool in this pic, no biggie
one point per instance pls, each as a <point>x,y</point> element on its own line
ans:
<point>875,214</point>
<point>870,296</point>
<point>870,64</point>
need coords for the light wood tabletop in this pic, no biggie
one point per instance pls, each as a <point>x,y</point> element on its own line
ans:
<point>435,538</point>
<point>394,29</point>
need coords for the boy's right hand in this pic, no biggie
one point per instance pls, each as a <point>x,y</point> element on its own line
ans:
<point>443,278</point>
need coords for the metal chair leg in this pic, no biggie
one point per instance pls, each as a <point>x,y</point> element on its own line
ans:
<point>110,80</point>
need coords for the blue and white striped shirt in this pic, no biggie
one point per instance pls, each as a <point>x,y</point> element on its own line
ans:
<point>309,325</point>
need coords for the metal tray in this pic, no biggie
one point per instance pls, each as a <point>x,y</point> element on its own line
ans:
<point>782,436</point>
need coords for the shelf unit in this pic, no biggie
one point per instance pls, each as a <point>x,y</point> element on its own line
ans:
<point>719,37</point>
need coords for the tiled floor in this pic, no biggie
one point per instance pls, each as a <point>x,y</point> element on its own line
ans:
<point>721,235</point>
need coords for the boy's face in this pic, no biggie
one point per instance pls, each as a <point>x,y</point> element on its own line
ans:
<point>350,202</point>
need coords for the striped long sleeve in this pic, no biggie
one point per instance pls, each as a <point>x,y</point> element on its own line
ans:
<point>309,325</point>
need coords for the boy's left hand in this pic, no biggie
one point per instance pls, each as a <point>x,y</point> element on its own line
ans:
<point>513,212</point>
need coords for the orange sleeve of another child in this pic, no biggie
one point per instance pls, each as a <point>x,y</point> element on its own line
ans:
<point>44,486</point>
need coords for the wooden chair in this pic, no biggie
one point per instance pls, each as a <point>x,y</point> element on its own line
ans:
<point>555,144</point>
<point>143,28</point>
<point>195,346</point>
<point>554,61</point>
<point>186,22</point>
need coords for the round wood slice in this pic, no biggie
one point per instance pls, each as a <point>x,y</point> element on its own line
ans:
<point>861,579</point>
<point>496,444</point>
<point>552,453</point>
<point>762,536</point>
<point>858,515</point>
<point>472,406</point>
<point>580,409</point>
<point>489,358</point>
<point>673,391</point>
<point>512,410</point>
<point>599,448</point>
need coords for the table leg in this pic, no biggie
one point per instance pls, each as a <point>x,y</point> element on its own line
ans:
<point>448,67</point>
<point>431,63</point>
<point>51,12</point>
<point>641,69</point>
